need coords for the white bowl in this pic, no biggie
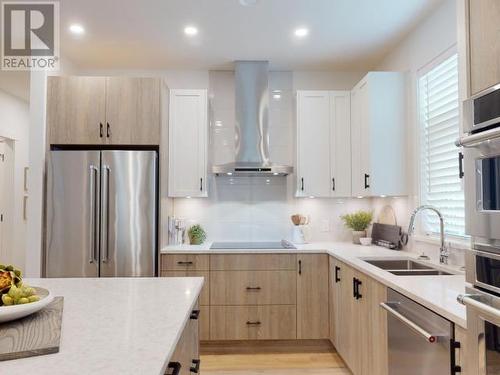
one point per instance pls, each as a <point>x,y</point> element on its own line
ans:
<point>8,313</point>
<point>365,241</point>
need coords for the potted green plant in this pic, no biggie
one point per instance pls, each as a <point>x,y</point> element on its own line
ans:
<point>358,222</point>
<point>197,235</point>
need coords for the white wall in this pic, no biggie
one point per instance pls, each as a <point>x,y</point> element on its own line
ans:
<point>14,126</point>
<point>435,35</point>
<point>259,209</point>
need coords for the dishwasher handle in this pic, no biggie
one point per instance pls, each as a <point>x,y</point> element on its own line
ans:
<point>414,326</point>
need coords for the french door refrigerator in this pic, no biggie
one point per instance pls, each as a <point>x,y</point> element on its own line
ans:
<point>101,213</point>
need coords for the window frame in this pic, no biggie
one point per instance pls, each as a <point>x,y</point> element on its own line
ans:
<point>459,241</point>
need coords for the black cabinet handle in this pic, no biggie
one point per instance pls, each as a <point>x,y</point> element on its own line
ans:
<point>180,263</point>
<point>201,184</point>
<point>358,294</point>
<point>454,367</point>
<point>367,176</point>
<point>460,165</point>
<point>100,130</point>
<point>196,366</point>
<point>354,287</point>
<point>108,130</point>
<point>253,288</point>
<point>302,183</point>
<point>176,367</point>
<point>195,314</point>
<point>333,184</point>
<point>337,278</point>
<point>300,267</point>
<point>257,323</point>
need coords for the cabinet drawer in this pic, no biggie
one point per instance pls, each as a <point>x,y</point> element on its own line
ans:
<point>253,288</point>
<point>205,291</point>
<point>252,262</point>
<point>179,262</point>
<point>272,322</point>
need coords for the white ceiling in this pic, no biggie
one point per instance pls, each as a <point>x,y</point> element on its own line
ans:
<point>148,34</point>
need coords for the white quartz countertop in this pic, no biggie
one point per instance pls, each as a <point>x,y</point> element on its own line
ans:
<point>114,325</point>
<point>438,293</point>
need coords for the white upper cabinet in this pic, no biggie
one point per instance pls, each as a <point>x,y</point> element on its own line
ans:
<point>378,128</point>
<point>188,128</point>
<point>323,144</point>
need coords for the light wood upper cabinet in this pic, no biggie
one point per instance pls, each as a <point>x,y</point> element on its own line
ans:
<point>323,144</point>
<point>76,110</point>
<point>132,111</point>
<point>188,128</point>
<point>103,110</point>
<point>378,135</point>
<point>312,296</point>
<point>484,44</point>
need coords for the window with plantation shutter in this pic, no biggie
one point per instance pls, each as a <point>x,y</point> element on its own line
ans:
<point>440,184</point>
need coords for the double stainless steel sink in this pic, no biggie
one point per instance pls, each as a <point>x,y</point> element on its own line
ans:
<point>407,267</point>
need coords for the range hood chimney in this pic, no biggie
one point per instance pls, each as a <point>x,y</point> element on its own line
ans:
<point>252,125</point>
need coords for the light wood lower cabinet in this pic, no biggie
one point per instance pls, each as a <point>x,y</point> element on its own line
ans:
<point>312,296</point>
<point>205,291</point>
<point>270,322</point>
<point>187,351</point>
<point>359,325</point>
<point>252,262</point>
<point>253,288</point>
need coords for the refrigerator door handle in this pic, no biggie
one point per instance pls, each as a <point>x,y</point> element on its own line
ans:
<point>105,213</point>
<point>93,171</point>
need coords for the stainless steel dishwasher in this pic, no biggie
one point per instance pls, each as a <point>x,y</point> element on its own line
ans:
<point>420,341</point>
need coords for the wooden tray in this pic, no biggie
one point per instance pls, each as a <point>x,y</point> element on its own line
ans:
<point>37,334</point>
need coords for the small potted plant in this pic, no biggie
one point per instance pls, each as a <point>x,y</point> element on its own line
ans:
<point>197,235</point>
<point>358,222</point>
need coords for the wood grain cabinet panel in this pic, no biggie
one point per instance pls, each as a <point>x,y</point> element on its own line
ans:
<point>484,44</point>
<point>271,322</point>
<point>205,291</point>
<point>133,111</point>
<point>252,262</point>
<point>188,347</point>
<point>253,288</point>
<point>76,110</point>
<point>184,262</point>
<point>312,296</point>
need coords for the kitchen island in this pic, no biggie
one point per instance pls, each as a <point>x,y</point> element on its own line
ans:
<point>115,325</point>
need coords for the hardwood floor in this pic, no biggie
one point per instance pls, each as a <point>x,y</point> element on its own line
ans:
<point>274,364</point>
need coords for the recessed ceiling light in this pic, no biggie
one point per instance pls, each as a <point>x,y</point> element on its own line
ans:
<point>301,32</point>
<point>190,30</point>
<point>249,3</point>
<point>77,29</point>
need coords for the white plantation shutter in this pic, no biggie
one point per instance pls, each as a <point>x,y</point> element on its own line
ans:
<point>439,125</point>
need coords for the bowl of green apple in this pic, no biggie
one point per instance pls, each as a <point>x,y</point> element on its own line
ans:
<point>17,299</point>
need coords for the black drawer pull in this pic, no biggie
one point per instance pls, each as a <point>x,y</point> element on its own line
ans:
<point>180,263</point>
<point>100,130</point>
<point>300,267</point>
<point>333,184</point>
<point>176,367</point>
<point>460,165</point>
<point>302,184</point>
<point>257,323</point>
<point>367,185</point>
<point>354,287</point>
<point>196,366</point>
<point>195,314</point>
<point>201,184</point>
<point>358,294</point>
<point>337,278</point>
<point>108,130</point>
<point>253,288</point>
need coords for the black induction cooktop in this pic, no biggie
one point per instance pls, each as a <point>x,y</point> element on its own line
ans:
<point>252,245</point>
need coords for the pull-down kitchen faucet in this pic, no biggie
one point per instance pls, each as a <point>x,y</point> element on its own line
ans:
<point>443,250</point>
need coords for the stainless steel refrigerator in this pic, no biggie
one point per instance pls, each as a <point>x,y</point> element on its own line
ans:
<point>101,213</point>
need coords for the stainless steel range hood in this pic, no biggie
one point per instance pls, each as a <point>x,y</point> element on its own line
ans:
<point>252,129</point>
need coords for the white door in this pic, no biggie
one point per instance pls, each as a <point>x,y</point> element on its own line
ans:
<point>340,143</point>
<point>313,148</point>
<point>360,134</point>
<point>188,129</point>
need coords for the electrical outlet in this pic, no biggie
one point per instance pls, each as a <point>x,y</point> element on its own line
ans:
<point>325,225</point>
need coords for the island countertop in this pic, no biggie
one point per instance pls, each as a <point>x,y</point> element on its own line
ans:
<point>115,325</point>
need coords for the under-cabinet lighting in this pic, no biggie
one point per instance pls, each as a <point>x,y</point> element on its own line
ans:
<point>360,196</point>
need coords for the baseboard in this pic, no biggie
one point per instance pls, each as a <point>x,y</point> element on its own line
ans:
<point>266,346</point>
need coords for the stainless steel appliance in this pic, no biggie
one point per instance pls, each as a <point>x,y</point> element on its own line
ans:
<point>483,330</point>
<point>101,213</point>
<point>420,341</point>
<point>480,166</point>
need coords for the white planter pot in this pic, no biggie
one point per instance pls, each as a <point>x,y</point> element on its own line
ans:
<point>356,235</point>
